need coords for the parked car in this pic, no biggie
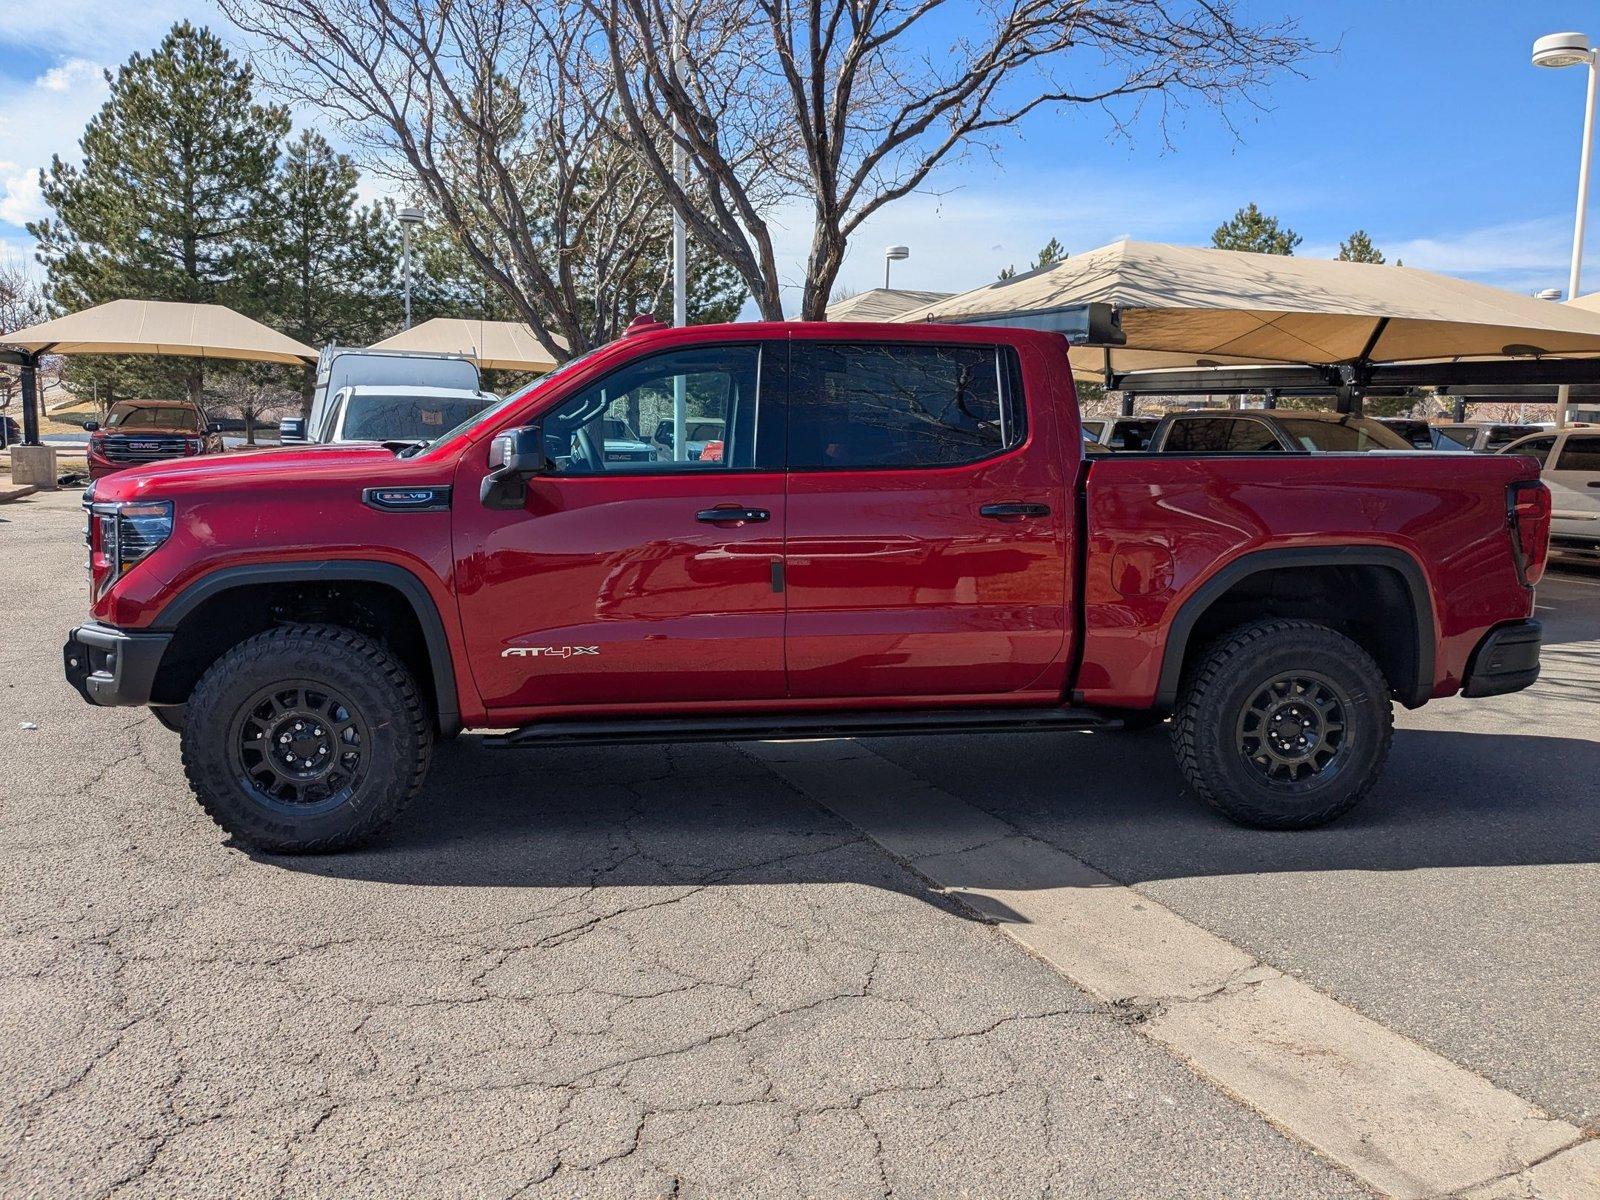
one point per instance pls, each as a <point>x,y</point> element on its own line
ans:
<point>699,431</point>
<point>386,413</point>
<point>897,538</point>
<point>1569,464</point>
<point>1480,437</point>
<point>1258,431</point>
<point>1121,433</point>
<point>137,432</point>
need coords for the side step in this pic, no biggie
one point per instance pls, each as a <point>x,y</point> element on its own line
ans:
<point>793,726</point>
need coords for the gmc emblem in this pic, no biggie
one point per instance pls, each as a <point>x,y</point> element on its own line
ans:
<point>548,651</point>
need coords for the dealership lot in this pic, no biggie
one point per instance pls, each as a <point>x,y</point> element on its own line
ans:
<point>639,970</point>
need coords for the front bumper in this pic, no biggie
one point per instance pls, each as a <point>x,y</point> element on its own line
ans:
<point>111,666</point>
<point>1507,660</point>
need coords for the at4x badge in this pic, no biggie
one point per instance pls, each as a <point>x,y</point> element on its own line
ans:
<point>548,651</point>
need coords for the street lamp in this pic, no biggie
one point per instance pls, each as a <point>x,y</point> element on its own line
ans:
<point>893,254</point>
<point>1571,50</point>
<point>407,217</point>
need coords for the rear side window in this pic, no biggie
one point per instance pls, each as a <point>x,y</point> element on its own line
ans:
<point>1538,448</point>
<point>1501,436</point>
<point>1580,454</point>
<point>1131,435</point>
<point>1344,435</point>
<point>1202,435</point>
<point>861,405</point>
<point>1251,437</point>
<point>1454,437</point>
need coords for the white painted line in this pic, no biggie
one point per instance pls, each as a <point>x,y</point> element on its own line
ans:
<point>1400,1117</point>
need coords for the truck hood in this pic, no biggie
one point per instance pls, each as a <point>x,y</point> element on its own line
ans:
<point>349,462</point>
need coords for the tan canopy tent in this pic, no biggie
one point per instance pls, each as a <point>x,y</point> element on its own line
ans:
<point>496,345</point>
<point>163,328</point>
<point>881,304</point>
<point>1182,306</point>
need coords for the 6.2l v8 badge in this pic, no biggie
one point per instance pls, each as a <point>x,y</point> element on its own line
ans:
<point>548,651</point>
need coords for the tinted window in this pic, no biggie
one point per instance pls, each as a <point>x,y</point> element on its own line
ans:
<point>130,417</point>
<point>1457,437</point>
<point>1580,454</point>
<point>1503,435</point>
<point>1198,435</point>
<point>405,418</point>
<point>1538,448</point>
<point>1343,436</point>
<point>901,405</point>
<point>1250,436</point>
<point>1414,432</point>
<point>718,386</point>
<point>1131,435</point>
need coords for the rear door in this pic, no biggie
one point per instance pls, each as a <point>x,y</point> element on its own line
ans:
<point>927,525</point>
<point>1573,477</point>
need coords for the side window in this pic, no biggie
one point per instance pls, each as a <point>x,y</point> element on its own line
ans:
<point>1198,435</point>
<point>594,432</point>
<point>1581,453</point>
<point>1249,436</point>
<point>901,405</point>
<point>1538,448</point>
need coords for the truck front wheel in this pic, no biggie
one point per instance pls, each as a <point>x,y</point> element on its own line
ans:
<point>1283,724</point>
<point>306,738</point>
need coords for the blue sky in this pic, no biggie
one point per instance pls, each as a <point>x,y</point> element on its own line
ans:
<point>1422,123</point>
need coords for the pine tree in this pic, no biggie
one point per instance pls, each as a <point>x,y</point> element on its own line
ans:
<point>172,192</point>
<point>1049,255</point>
<point>1358,247</point>
<point>326,267</point>
<point>1251,229</point>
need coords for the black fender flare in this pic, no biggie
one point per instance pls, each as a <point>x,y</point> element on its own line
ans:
<point>1412,692</point>
<point>356,570</point>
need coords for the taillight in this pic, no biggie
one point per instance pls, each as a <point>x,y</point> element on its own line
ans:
<point>1528,515</point>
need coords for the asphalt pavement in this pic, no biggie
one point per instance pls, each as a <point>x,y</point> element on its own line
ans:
<point>664,971</point>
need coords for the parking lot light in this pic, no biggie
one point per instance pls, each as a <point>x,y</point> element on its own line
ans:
<point>1571,50</point>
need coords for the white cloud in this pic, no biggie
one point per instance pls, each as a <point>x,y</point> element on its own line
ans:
<point>20,201</point>
<point>97,29</point>
<point>70,74</point>
<point>39,118</point>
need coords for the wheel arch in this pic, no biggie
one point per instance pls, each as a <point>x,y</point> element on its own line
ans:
<point>439,677</point>
<point>1415,653</point>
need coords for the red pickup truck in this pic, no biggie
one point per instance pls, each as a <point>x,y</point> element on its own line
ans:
<point>902,534</point>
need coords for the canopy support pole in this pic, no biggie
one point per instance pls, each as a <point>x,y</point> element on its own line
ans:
<point>30,400</point>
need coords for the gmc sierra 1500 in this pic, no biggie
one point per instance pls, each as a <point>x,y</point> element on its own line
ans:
<point>898,532</point>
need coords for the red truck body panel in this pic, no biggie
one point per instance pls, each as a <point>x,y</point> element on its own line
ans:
<point>893,590</point>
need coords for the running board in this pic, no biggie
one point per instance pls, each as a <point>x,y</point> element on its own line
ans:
<point>793,726</point>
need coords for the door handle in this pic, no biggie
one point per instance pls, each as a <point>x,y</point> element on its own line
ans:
<point>1011,512</point>
<point>1593,483</point>
<point>732,515</point>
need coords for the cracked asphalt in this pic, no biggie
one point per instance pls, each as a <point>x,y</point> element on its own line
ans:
<point>644,971</point>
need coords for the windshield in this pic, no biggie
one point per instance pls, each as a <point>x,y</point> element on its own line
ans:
<point>493,409</point>
<point>130,416</point>
<point>402,418</point>
<point>1345,434</point>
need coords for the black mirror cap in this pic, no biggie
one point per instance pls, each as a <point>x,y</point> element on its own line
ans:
<point>91,426</point>
<point>518,452</point>
<point>292,429</point>
<point>213,426</point>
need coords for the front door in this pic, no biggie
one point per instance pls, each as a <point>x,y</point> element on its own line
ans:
<point>633,575</point>
<point>927,531</point>
<point>1574,482</point>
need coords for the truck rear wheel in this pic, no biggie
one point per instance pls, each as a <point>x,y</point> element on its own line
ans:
<point>306,739</point>
<point>1283,724</point>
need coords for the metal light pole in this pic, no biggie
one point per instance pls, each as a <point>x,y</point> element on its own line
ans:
<point>1571,50</point>
<point>407,217</point>
<point>892,254</point>
<point>680,250</point>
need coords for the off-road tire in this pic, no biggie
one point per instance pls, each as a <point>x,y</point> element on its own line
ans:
<point>1217,693</point>
<point>376,687</point>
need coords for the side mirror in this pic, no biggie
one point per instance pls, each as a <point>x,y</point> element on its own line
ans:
<point>91,426</point>
<point>292,429</point>
<point>213,426</point>
<point>514,458</point>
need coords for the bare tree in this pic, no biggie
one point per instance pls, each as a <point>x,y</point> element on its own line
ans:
<point>471,104</point>
<point>21,305</point>
<point>852,104</point>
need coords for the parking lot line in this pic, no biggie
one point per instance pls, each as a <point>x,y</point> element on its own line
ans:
<point>1400,1117</point>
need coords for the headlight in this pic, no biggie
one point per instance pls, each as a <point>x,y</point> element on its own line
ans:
<point>124,532</point>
